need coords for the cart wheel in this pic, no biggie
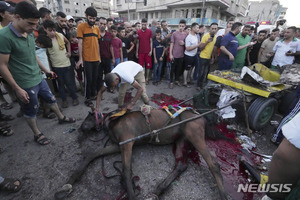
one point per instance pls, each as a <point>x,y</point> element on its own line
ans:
<point>261,111</point>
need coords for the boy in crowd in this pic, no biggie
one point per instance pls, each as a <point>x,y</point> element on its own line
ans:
<point>127,45</point>
<point>60,62</point>
<point>144,48</point>
<point>158,55</point>
<point>116,44</point>
<point>190,53</point>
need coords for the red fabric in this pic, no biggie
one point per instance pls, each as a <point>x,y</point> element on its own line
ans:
<point>168,56</point>
<point>144,40</point>
<point>145,59</point>
<point>104,45</point>
<point>117,44</point>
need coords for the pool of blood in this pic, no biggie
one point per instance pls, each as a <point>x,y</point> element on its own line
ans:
<point>226,152</point>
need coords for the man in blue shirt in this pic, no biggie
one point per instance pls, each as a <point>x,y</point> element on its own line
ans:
<point>229,46</point>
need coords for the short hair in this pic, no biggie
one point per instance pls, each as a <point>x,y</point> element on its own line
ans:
<point>49,24</point>
<point>121,28</point>
<point>44,40</point>
<point>109,79</point>
<point>109,20</point>
<point>182,21</point>
<point>275,29</point>
<point>230,20</point>
<point>91,11</point>
<point>163,21</point>
<point>236,25</point>
<point>44,11</point>
<point>194,24</point>
<point>185,28</point>
<point>97,19</point>
<point>114,27</point>
<point>252,28</point>
<point>27,10</point>
<point>214,23</point>
<point>61,14</point>
<point>247,26</point>
<point>293,28</point>
<point>102,18</point>
<point>262,31</point>
<point>158,30</point>
<point>201,26</point>
<point>144,20</point>
<point>78,19</point>
<point>136,23</point>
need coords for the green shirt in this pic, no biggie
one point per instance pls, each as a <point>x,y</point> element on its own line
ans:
<point>239,59</point>
<point>22,62</point>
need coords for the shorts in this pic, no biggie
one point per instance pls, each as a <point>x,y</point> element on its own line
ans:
<point>145,60</point>
<point>41,90</point>
<point>189,61</point>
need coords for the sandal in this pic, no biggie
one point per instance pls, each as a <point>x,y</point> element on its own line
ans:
<point>41,139</point>
<point>88,103</point>
<point>6,117</point>
<point>9,185</point>
<point>6,131</point>
<point>6,106</point>
<point>64,120</point>
<point>49,115</point>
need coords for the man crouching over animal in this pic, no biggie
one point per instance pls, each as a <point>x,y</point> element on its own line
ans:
<point>124,74</point>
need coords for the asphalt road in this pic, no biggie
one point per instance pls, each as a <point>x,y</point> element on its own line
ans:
<point>44,169</point>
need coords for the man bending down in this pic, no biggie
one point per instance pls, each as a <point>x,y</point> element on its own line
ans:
<point>124,74</point>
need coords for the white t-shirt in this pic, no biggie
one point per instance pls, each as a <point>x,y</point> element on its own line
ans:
<point>281,48</point>
<point>291,130</point>
<point>127,71</point>
<point>191,40</point>
<point>220,32</point>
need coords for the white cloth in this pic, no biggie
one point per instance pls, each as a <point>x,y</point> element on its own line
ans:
<point>191,40</point>
<point>127,71</point>
<point>291,130</point>
<point>281,48</point>
<point>220,32</point>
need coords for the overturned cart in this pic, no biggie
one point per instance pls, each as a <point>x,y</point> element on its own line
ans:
<point>263,90</point>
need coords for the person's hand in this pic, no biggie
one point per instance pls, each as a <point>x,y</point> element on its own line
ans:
<point>210,40</point>
<point>269,55</point>
<point>113,62</point>
<point>150,53</point>
<point>100,60</point>
<point>130,106</point>
<point>231,57</point>
<point>161,59</point>
<point>171,57</point>
<point>212,61</point>
<point>68,54</point>
<point>289,53</point>
<point>78,64</point>
<point>137,55</point>
<point>250,44</point>
<point>155,61</point>
<point>23,95</point>
<point>181,42</point>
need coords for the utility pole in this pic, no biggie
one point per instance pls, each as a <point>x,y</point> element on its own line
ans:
<point>202,12</point>
<point>128,14</point>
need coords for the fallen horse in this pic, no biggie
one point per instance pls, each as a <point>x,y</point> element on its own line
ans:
<point>133,124</point>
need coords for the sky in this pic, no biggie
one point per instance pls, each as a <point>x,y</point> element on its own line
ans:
<point>293,14</point>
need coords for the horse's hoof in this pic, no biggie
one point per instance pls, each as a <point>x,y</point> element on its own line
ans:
<point>151,197</point>
<point>64,192</point>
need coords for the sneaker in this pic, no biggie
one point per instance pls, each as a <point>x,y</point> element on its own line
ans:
<point>65,104</point>
<point>177,83</point>
<point>186,85</point>
<point>75,102</point>
<point>171,85</point>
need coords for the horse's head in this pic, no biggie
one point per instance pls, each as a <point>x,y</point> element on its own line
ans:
<point>94,120</point>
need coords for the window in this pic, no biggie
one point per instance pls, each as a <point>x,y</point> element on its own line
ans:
<point>76,11</point>
<point>214,14</point>
<point>119,2</point>
<point>84,4</point>
<point>92,4</point>
<point>67,1</point>
<point>128,1</point>
<point>68,10</point>
<point>196,13</point>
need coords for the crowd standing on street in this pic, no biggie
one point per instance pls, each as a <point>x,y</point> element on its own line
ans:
<point>42,58</point>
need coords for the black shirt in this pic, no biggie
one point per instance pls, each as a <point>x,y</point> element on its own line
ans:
<point>125,46</point>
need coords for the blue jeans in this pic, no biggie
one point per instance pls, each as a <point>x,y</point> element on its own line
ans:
<point>64,77</point>
<point>168,71</point>
<point>42,89</point>
<point>196,71</point>
<point>203,71</point>
<point>157,71</point>
<point>117,61</point>
<point>125,59</point>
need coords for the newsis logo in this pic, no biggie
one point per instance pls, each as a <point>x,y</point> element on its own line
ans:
<point>264,188</point>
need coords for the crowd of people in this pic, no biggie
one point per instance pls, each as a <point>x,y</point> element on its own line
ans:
<point>41,58</point>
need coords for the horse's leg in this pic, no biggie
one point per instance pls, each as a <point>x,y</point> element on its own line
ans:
<point>181,166</point>
<point>87,158</point>
<point>126,152</point>
<point>195,133</point>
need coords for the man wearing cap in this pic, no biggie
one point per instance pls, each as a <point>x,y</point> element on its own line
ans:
<point>70,23</point>
<point>125,73</point>
<point>6,14</point>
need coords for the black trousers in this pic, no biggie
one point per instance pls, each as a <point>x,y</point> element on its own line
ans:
<point>176,68</point>
<point>90,81</point>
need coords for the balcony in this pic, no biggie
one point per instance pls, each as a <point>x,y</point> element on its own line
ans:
<point>189,21</point>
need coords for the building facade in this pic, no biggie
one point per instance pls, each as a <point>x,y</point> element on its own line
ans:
<point>172,11</point>
<point>76,8</point>
<point>266,10</point>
